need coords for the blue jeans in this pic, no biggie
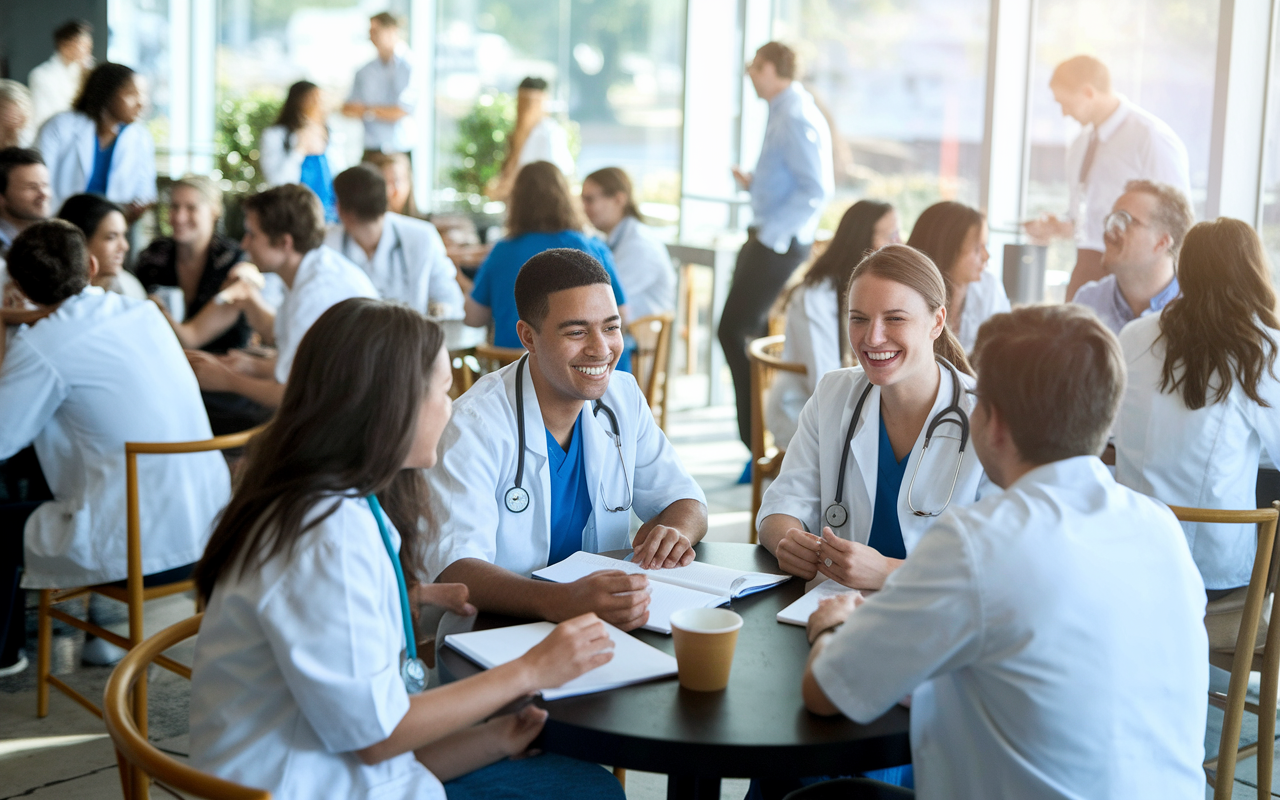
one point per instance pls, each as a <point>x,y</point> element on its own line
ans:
<point>548,776</point>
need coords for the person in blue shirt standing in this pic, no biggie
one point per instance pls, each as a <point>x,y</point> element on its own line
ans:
<point>382,91</point>
<point>541,215</point>
<point>792,182</point>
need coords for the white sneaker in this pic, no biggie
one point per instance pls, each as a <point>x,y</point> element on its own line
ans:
<point>101,653</point>
<point>15,667</point>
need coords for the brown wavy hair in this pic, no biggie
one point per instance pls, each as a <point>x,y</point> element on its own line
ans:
<point>540,202</point>
<point>344,429</point>
<point>614,181</point>
<point>913,269</point>
<point>1221,329</point>
<point>940,232</point>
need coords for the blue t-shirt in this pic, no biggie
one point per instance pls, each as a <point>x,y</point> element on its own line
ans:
<point>496,281</point>
<point>101,165</point>
<point>886,530</point>
<point>316,177</point>
<point>570,498</point>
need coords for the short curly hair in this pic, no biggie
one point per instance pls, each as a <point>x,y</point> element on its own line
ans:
<point>49,261</point>
<point>553,271</point>
<point>101,87</point>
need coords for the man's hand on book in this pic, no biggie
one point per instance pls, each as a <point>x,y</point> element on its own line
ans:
<point>619,599</point>
<point>662,547</point>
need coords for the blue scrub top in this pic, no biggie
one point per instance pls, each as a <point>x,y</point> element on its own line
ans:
<point>886,529</point>
<point>570,498</point>
<point>316,177</point>
<point>101,165</point>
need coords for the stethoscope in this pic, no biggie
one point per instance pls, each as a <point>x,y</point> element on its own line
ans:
<point>836,515</point>
<point>412,671</point>
<point>517,497</point>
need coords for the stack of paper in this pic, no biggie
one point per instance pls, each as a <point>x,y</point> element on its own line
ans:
<point>694,586</point>
<point>798,613</point>
<point>633,660</point>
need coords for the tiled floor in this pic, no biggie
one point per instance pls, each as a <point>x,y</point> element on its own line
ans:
<point>67,754</point>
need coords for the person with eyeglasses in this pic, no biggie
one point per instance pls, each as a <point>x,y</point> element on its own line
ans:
<point>1144,231</point>
<point>552,454</point>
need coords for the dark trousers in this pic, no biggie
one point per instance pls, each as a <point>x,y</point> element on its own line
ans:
<point>22,490</point>
<point>758,279</point>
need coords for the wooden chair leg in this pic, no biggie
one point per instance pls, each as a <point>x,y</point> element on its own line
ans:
<point>621,775</point>
<point>1267,716</point>
<point>44,652</point>
<point>126,776</point>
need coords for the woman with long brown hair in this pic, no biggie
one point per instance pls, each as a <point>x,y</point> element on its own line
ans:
<point>541,215</point>
<point>1203,399</point>
<point>856,470</point>
<point>643,264</point>
<point>954,236</point>
<point>817,315</point>
<point>306,680</point>
<point>300,147</point>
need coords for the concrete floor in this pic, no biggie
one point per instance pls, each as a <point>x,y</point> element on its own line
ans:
<point>68,754</point>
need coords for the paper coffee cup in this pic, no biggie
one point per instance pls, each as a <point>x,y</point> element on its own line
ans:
<point>705,639</point>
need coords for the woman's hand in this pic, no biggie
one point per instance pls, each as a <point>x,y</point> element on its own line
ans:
<point>831,612</point>
<point>576,646</point>
<point>517,731</point>
<point>312,139</point>
<point>450,596</point>
<point>852,564</point>
<point>798,553</point>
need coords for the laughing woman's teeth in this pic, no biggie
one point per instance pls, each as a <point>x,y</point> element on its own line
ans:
<point>881,356</point>
<point>591,370</point>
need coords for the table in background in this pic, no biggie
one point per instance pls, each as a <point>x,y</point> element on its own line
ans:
<point>757,728</point>
<point>460,341</point>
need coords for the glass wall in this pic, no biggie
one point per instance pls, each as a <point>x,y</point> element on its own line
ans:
<point>139,38</point>
<point>904,87</point>
<point>1270,206</point>
<point>616,70</point>
<point>1162,56</point>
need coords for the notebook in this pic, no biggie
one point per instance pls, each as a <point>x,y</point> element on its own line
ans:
<point>697,585</point>
<point>798,613</point>
<point>633,660</point>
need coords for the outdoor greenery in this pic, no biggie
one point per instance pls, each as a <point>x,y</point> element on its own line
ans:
<point>480,146</point>
<point>240,121</point>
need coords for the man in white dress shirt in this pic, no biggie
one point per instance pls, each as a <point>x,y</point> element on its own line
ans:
<point>55,83</point>
<point>1051,636</point>
<point>283,233</point>
<point>382,93</point>
<point>404,257</point>
<point>1119,143</point>
<point>24,193</point>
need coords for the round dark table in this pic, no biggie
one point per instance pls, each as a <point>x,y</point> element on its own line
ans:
<point>756,728</point>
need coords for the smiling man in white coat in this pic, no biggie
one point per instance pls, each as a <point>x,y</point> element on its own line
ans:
<point>551,454</point>
<point>1055,644</point>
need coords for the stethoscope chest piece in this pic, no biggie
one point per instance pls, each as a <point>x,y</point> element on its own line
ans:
<point>517,499</point>
<point>836,515</point>
<point>414,674</point>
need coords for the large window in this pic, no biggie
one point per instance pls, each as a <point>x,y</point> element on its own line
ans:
<point>1270,207</point>
<point>903,85</point>
<point>616,74</point>
<point>1161,55</point>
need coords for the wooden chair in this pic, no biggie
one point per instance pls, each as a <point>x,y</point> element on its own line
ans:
<point>139,760</point>
<point>134,592</point>
<point>651,362</point>
<point>1248,655</point>
<point>490,357</point>
<point>766,459</point>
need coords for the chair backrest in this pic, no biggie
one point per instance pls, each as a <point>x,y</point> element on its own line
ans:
<point>765,355</point>
<point>1267,555</point>
<point>135,749</point>
<point>650,365</point>
<point>502,355</point>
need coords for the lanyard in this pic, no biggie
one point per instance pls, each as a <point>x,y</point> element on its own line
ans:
<point>413,671</point>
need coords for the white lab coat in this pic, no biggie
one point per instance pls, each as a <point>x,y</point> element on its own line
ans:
<point>644,269</point>
<point>984,299</point>
<point>813,339</point>
<point>100,371</point>
<point>54,86</point>
<point>409,265</point>
<point>281,165</point>
<point>324,279</point>
<point>548,142</point>
<point>1207,458</point>
<point>298,666</point>
<point>807,483</point>
<point>1052,639</point>
<point>68,142</point>
<point>477,466</point>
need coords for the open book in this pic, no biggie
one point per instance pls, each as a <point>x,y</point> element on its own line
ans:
<point>694,586</point>
<point>798,613</point>
<point>633,660</point>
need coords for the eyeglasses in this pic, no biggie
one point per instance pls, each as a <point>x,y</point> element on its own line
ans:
<point>1117,223</point>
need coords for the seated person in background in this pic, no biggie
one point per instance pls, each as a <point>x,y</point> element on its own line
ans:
<point>284,234</point>
<point>1142,233</point>
<point>541,215</point>
<point>817,316</point>
<point>199,261</point>
<point>104,226</point>
<point>856,474</point>
<point>641,261</point>
<point>549,455</point>
<point>16,129</point>
<point>300,147</point>
<point>24,194</point>
<point>92,371</point>
<point>1051,636</point>
<point>297,684</point>
<point>1203,399</point>
<point>403,257</point>
<point>955,237</point>
<point>99,146</point>
<point>397,172</point>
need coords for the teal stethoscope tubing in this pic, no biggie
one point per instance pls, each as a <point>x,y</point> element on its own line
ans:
<point>411,647</point>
